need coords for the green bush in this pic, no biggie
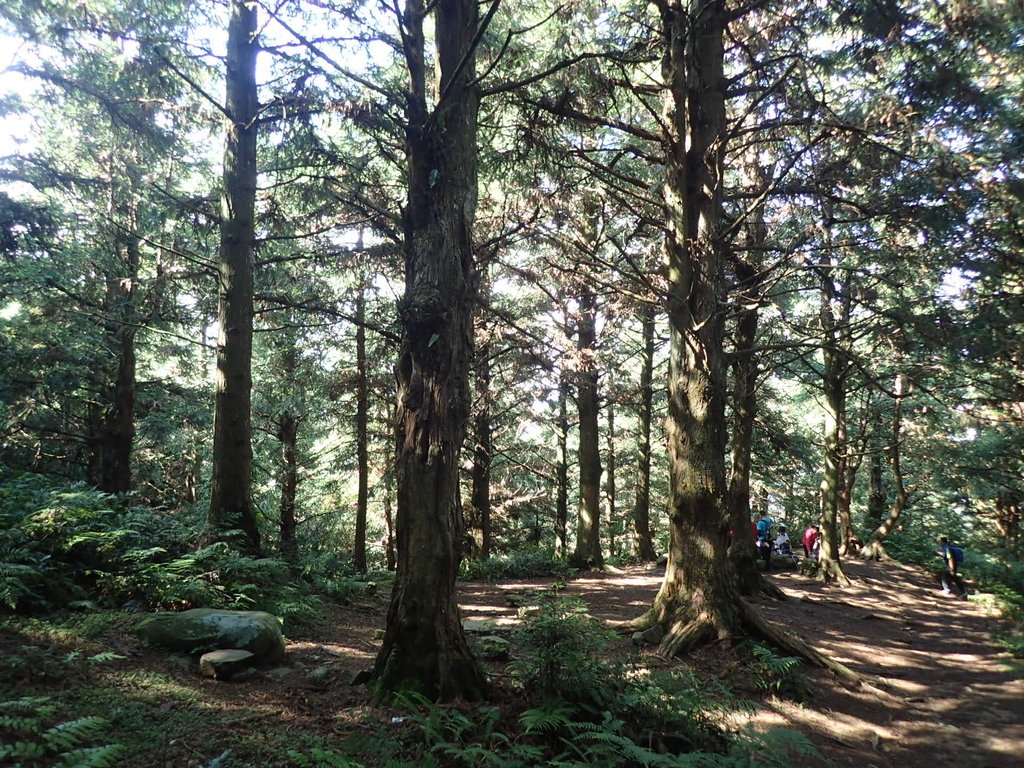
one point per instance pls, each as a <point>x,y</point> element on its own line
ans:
<point>67,545</point>
<point>525,564</point>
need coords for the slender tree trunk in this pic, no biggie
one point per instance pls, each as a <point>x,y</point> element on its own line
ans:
<point>876,497</point>
<point>362,434</point>
<point>424,647</point>
<point>588,520</point>
<point>562,467</point>
<point>742,550</point>
<point>609,474</point>
<point>288,435</point>
<point>231,495</point>
<point>390,556</point>
<point>834,385</point>
<point>642,505</point>
<point>875,549</point>
<point>480,499</point>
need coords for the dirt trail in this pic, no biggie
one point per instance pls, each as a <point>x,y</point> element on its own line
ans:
<point>939,692</point>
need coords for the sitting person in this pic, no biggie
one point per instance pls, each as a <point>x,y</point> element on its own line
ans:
<point>782,541</point>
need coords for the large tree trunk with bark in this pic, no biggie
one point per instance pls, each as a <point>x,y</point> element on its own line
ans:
<point>587,553</point>
<point>642,504</point>
<point>699,600</point>
<point>231,494</point>
<point>834,385</point>
<point>424,647</point>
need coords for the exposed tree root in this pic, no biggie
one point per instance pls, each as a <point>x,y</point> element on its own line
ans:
<point>771,590</point>
<point>686,631</point>
<point>875,550</point>
<point>790,642</point>
<point>831,572</point>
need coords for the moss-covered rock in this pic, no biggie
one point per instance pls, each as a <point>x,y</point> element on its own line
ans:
<point>206,629</point>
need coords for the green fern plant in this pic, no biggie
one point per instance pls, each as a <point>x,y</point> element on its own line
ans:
<point>26,738</point>
<point>777,674</point>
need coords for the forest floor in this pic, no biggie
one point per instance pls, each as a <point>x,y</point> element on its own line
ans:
<point>938,691</point>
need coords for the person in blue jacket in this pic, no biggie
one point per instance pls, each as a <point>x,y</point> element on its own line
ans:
<point>952,558</point>
<point>764,539</point>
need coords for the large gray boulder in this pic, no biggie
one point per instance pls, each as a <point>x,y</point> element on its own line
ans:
<point>206,629</point>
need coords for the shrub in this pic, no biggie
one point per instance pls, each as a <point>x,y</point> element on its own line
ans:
<point>525,564</point>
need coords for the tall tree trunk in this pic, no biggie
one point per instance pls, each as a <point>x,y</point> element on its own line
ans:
<point>480,500</point>
<point>362,432</point>
<point>834,385</point>
<point>749,295</point>
<point>424,647</point>
<point>562,466</point>
<point>609,474</point>
<point>231,494</point>
<point>699,600</point>
<point>875,549</point>
<point>288,435</point>
<point>588,520</point>
<point>742,551</point>
<point>113,421</point>
<point>876,496</point>
<point>642,505</point>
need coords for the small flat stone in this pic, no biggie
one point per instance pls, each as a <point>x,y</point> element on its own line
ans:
<point>224,664</point>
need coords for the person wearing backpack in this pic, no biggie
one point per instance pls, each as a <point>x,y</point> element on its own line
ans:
<point>952,559</point>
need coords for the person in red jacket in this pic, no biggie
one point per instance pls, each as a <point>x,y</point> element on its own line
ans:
<point>810,541</point>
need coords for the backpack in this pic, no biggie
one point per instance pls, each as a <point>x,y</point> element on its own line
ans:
<point>958,555</point>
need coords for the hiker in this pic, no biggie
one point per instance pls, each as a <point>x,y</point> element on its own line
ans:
<point>952,558</point>
<point>811,540</point>
<point>783,548</point>
<point>764,539</point>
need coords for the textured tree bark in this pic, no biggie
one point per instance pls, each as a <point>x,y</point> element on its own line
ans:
<point>587,553</point>
<point>698,598</point>
<point>424,647</point>
<point>231,494</point>
<point>642,504</point>
<point>834,385</point>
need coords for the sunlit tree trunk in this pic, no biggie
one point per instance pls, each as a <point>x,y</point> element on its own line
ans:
<point>642,504</point>
<point>587,553</point>
<point>834,386</point>
<point>698,599</point>
<point>424,647</point>
<point>231,494</point>
<point>609,473</point>
<point>562,466</point>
